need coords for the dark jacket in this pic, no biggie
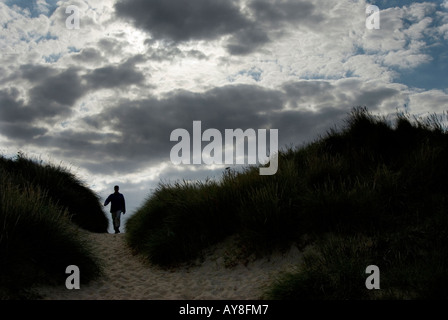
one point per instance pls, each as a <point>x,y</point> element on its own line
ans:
<point>117,202</point>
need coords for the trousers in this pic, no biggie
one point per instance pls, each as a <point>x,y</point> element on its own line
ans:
<point>116,215</point>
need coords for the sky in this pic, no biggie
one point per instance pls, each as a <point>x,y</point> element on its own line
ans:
<point>99,89</point>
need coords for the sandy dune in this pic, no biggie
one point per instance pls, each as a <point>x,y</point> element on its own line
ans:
<point>127,276</point>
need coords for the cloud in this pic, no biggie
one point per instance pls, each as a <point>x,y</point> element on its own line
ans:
<point>445,4</point>
<point>11,106</point>
<point>55,96</point>
<point>52,94</point>
<point>132,134</point>
<point>171,52</point>
<point>144,126</point>
<point>114,76</point>
<point>89,56</point>
<point>345,93</point>
<point>16,120</point>
<point>140,129</point>
<point>22,132</point>
<point>35,73</point>
<point>437,99</point>
<point>181,21</point>
<point>278,12</point>
<point>247,40</point>
<point>269,17</point>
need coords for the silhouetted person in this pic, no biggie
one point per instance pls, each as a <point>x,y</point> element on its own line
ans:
<point>116,208</point>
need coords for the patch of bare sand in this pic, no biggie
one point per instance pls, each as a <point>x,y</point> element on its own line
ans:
<point>129,277</point>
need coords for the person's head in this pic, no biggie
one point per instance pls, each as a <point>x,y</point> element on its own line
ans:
<point>116,188</point>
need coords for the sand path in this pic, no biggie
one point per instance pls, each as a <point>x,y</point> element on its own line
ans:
<point>128,276</point>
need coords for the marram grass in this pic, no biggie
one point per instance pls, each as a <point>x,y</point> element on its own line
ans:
<point>372,192</point>
<point>38,238</point>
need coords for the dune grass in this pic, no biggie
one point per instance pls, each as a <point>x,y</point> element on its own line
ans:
<point>372,192</point>
<point>38,236</point>
<point>63,186</point>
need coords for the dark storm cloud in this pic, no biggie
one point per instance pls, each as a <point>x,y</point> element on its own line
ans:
<point>56,94</point>
<point>11,107</point>
<point>271,17</point>
<point>220,108</point>
<point>65,87</point>
<point>77,140</point>
<point>299,90</point>
<point>114,76</point>
<point>138,131</point>
<point>35,73</point>
<point>21,132</point>
<point>143,127</point>
<point>277,12</point>
<point>247,40</point>
<point>15,118</point>
<point>180,21</point>
<point>53,94</point>
<point>332,103</point>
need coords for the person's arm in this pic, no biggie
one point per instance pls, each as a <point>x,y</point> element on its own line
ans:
<point>107,201</point>
<point>124,206</point>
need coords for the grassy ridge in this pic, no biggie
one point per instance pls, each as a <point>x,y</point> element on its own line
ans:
<point>372,192</point>
<point>38,238</point>
<point>64,187</point>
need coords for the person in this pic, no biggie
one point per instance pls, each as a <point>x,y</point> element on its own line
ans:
<point>117,207</point>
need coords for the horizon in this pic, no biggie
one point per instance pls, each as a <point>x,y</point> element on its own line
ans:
<point>103,98</point>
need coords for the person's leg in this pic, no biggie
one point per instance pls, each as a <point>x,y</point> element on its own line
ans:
<point>113,220</point>
<point>116,220</point>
